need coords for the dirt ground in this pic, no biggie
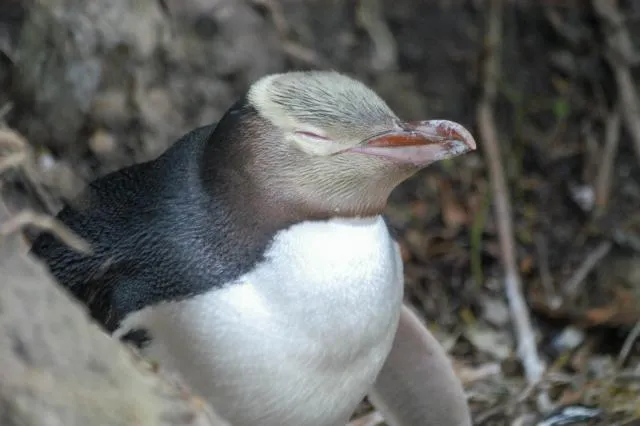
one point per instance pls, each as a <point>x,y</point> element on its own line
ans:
<point>94,86</point>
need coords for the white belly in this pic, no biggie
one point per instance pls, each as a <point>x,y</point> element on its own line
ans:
<point>297,341</point>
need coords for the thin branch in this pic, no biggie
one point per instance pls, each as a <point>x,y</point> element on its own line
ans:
<point>290,48</point>
<point>12,139</point>
<point>620,55</point>
<point>370,16</point>
<point>47,223</point>
<point>527,348</point>
<point>605,170</point>
<point>20,155</point>
<point>519,398</point>
<point>12,161</point>
<point>628,344</point>
<point>573,286</point>
<point>545,272</point>
<point>630,104</point>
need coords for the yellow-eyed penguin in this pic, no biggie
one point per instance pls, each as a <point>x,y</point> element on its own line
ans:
<point>252,257</point>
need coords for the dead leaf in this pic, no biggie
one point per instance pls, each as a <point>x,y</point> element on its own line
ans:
<point>454,214</point>
<point>526,264</point>
<point>497,343</point>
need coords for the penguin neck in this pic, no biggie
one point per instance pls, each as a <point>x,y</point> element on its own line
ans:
<point>235,166</point>
<point>225,177</point>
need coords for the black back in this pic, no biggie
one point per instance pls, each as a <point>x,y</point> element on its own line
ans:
<point>158,231</point>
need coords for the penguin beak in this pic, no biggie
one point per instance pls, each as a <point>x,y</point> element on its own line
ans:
<point>419,143</point>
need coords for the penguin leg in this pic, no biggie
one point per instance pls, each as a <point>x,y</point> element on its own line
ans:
<point>417,384</point>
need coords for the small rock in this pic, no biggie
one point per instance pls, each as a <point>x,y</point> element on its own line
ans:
<point>583,195</point>
<point>46,161</point>
<point>497,343</point>
<point>495,310</point>
<point>102,142</point>
<point>600,366</point>
<point>569,339</point>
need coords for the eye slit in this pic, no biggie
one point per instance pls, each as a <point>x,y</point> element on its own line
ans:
<point>311,135</point>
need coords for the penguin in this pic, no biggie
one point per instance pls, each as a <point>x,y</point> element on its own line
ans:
<point>253,258</point>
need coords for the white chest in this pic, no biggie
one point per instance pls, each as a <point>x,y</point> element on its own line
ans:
<point>300,339</point>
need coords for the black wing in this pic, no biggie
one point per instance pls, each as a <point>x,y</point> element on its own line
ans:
<point>123,216</point>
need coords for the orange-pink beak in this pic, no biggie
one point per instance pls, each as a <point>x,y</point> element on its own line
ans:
<point>420,143</point>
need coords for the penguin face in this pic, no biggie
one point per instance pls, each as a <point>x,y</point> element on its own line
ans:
<point>326,114</point>
<point>323,144</point>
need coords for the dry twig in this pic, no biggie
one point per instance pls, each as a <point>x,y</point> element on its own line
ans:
<point>527,349</point>
<point>371,17</point>
<point>572,287</point>
<point>47,223</point>
<point>508,405</point>
<point>13,160</point>
<point>545,272</point>
<point>620,55</point>
<point>628,344</point>
<point>20,156</point>
<point>290,48</point>
<point>605,170</point>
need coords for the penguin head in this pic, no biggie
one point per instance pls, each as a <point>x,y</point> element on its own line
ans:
<point>326,141</point>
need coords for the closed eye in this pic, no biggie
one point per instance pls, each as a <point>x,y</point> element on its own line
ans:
<point>312,136</point>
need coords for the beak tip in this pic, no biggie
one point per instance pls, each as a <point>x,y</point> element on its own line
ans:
<point>459,133</point>
<point>446,131</point>
<point>470,141</point>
